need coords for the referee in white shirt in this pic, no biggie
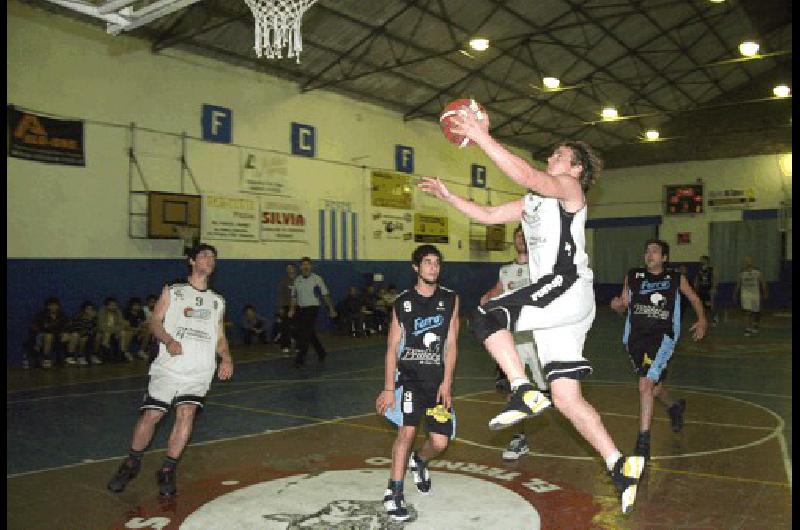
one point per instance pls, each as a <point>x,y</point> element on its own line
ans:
<point>308,289</point>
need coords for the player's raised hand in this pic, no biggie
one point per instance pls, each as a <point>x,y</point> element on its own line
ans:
<point>385,401</point>
<point>435,187</point>
<point>467,123</point>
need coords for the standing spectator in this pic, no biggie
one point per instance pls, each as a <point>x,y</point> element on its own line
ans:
<point>47,330</point>
<point>750,290</point>
<point>308,289</point>
<point>285,295</point>
<point>705,285</point>
<point>81,334</point>
<point>254,327</point>
<point>137,325</point>
<point>111,325</point>
<point>350,313</point>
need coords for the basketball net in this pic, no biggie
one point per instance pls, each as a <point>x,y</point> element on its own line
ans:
<point>189,235</point>
<point>278,26</point>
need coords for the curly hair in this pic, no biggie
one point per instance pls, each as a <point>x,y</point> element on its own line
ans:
<point>591,164</point>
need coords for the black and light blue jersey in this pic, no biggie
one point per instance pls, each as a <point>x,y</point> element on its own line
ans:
<point>424,323</point>
<point>654,309</point>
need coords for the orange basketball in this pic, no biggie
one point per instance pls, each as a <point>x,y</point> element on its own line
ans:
<point>460,106</point>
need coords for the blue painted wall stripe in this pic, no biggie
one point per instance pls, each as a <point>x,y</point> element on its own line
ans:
<point>322,234</point>
<point>759,214</point>
<point>646,220</point>
<point>333,235</point>
<point>354,231</point>
<point>344,235</point>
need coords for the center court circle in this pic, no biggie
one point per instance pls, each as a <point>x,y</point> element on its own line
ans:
<point>352,498</point>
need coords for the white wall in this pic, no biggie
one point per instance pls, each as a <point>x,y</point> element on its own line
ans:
<point>639,191</point>
<point>68,68</point>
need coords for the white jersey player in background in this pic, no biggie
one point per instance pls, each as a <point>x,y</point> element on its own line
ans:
<point>515,275</point>
<point>188,323</point>
<point>751,291</point>
<point>559,305</point>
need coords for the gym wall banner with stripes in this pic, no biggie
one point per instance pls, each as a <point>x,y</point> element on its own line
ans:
<point>338,231</point>
<point>43,139</point>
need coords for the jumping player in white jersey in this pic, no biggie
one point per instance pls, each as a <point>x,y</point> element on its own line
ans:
<point>420,362</point>
<point>188,323</point>
<point>559,305</point>
<point>515,275</point>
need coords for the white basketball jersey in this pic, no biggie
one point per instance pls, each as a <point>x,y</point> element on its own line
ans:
<point>192,319</point>
<point>514,276</point>
<point>750,282</point>
<point>556,239</point>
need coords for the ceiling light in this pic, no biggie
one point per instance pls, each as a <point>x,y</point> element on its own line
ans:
<point>781,91</point>
<point>479,44</point>
<point>609,113</point>
<point>551,82</point>
<point>651,135</point>
<point>748,48</point>
<point>716,1</point>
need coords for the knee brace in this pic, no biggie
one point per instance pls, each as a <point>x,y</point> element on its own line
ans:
<point>484,323</point>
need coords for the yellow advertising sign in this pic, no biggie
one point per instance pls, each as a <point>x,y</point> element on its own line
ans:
<point>391,190</point>
<point>430,228</point>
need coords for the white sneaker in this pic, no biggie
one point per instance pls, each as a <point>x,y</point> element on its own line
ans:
<point>285,350</point>
<point>82,361</point>
<point>70,360</point>
<point>96,360</point>
<point>47,363</point>
<point>127,355</point>
<point>516,448</point>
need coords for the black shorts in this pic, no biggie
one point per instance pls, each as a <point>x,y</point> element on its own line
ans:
<point>413,402</point>
<point>650,357</point>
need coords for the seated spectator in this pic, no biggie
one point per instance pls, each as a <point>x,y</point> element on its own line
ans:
<point>351,313</point>
<point>254,327</point>
<point>112,326</point>
<point>138,326</point>
<point>391,295</point>
<point>81,332</point>
<point>382,311</point>
<point>369,302</point>
<point>150,345</point>
<point>48,330</point>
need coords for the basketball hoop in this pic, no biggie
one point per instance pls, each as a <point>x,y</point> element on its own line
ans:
<point>278,26</point>
<point>189,235</point>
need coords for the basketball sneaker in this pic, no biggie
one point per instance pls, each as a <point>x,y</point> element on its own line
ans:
<point>516,448</point>
<point>70,360</point>
<point>625,476</point>
<point>422,478</point>
<point>127,471</point>
<point>166,482</point>
<point>394,503</point>
<point>82,361</point>
<point>47,363</point>
<point>526,402</point>
<point>642,445</point>
<point>676,415</point>
<point>96,360</point>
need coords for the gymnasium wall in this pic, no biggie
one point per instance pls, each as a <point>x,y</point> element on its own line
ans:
<point>68,227</point>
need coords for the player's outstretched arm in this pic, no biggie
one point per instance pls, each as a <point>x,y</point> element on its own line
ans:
<point>488,215</point>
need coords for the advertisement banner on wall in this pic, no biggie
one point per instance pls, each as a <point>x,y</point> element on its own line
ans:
<point>392,225</point>
<point>430,228</point>
<point>230,217</point>
<point>263,173</point>
<point>391,190</point>
<point>285,221</point>
<point>733,199</point>
<point>42,139</point>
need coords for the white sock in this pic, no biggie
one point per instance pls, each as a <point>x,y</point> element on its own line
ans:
<point>519,381</point>
<point>612,459</point>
